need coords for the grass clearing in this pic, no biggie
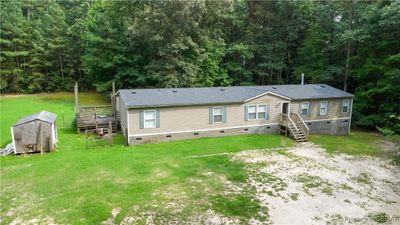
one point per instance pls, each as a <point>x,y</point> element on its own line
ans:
<point>241,206</point>
<point>14,107</point>
<point>75,185</point>
<point>357,143</point>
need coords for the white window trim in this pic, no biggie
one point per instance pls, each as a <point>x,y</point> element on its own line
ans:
<point>308,109</point>
<point>348,106</point>
<point>248,112</point>
<point>257,105</point>
<point>266,108</point>
<point>326,108</point>
<point>155,119</point>
<point>222,114</point>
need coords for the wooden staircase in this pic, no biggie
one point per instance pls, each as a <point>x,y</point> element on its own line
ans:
<point>293,125</point>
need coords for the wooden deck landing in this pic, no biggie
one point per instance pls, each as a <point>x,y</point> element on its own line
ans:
<point>93,117</point>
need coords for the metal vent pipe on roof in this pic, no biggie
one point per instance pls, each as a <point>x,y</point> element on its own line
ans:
<point>302,78</point>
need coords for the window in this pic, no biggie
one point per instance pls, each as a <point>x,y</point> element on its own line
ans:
<point>257,112</point>
<point>217,114</point>
<point>261,110</point>
<point>252,112</point>
<point>345,106</point>
<point>150,119</point>
<point>323,108</point>
<point>305,108</point>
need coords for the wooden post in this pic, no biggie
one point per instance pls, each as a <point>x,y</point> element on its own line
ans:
<point>110,133</point>
<point>126,137</point>
<point>113,103</point>
<point>113,89</point>
<point>76,97</point>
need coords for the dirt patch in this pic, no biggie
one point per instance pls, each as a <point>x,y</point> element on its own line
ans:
<point>305,185</point>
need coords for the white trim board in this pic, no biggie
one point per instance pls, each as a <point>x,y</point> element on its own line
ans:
<point>53,134</point>
<point>127,123</point>
<point>200,130</point>
<point>344,118</point>
<point>265,93</point>
<point>13,142</point>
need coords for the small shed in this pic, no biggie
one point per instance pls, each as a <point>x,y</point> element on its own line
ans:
<point>35,133</point>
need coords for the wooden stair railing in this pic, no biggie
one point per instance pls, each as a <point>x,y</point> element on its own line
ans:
<point>298,130</point>
<point>300,122</point>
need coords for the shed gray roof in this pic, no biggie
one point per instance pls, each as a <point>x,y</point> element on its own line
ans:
<point>137,98</point>
<point>43,116</point>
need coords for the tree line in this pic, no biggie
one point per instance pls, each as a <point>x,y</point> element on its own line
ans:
<point>47,45</point>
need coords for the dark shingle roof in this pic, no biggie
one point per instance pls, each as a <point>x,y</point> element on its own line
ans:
<point>136,98</point>
<point>43,116</point>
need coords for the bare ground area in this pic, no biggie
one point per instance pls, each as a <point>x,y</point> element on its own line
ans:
<point>305,185</point>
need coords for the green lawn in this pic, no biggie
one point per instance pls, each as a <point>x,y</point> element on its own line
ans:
<point>78,186</point>
<point>357,143</point>
<point>17,106</point>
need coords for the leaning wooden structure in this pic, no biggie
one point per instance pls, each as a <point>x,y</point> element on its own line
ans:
<point>93,117</point>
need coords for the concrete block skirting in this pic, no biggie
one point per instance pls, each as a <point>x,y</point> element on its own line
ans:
<point>267,129</point>
<point>332,127</point>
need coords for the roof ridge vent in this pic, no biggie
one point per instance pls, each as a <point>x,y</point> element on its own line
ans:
<point>133,92</point>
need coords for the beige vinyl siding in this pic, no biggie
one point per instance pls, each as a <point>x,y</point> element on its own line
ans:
<point>197,117</point>
<point>274,106</point>
<point>334,109</point>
